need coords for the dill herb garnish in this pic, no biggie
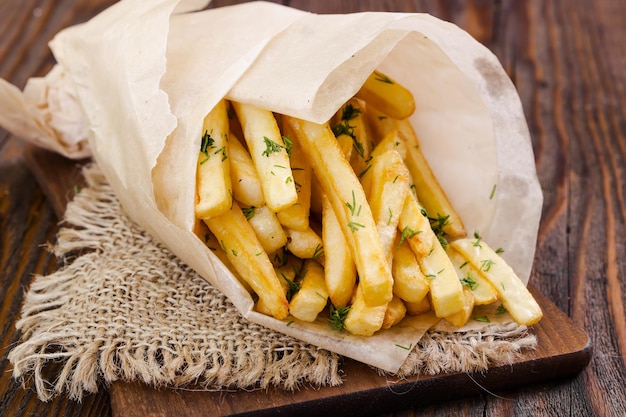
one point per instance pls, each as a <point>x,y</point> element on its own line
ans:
<point>338,317</point>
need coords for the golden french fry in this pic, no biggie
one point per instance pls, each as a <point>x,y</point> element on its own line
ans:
<point>312,297</point>
<point>213,185</point>
<point>387,95</point>
<point>446,291</point>
<point>388,190</point>
<point>363,319</point>
<point>246,254</point>
<point>391,142</point>
<point>339,269</point>
<point>484,292</point>
<point>351,123</point>
<point>380,124</point>
<point>341,185</point>
<point>316,197</point>
<point>428,189</point>
<point>305,244</point>
<point>409,283</point>
<point>269,154</point>
<point>387,257</point>
<point>268,229</point>
<point>512,292</point>
<point>202,231</point>
<point>396,311</point>
<point>297,216</point>
<point>345,144</point>
<point>287,275</point>
<point>418,307</point>
<point>244,178</point>
<point>462,317</point>
<point>415,227</point>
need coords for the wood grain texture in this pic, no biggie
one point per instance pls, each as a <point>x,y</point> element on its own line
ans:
<point>567,60</point>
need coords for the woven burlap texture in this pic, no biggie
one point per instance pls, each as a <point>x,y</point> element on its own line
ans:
<point>125,308</point>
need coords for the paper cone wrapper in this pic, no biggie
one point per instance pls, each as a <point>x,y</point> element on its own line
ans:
<point>144,75</point>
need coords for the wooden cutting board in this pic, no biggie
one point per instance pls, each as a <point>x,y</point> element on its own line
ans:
<point>564,350</point>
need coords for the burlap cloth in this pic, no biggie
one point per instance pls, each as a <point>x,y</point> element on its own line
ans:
<point>124,308</point>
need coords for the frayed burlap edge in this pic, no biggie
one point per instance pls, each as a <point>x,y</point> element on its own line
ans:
<point>71,347</point>
<point>473,351</point>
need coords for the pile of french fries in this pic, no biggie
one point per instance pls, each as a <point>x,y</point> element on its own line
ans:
<point>343,220</point>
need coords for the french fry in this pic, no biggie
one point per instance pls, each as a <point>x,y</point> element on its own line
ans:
<point>387,95</point>
<point>409,283</point>
<point>484,292</point>
<point>213,185</point>
<point>305,244</point>
<point>346,145</point>
<point>462,317</point>
<point>269,154</point>
<point>341,185</point>
<point>244,178</point>
<point>396,311</point>
<point>267,228</point>
<point>415,227</point>
<point>246,254</point>
<point>512,292</point>
<point>417,308</point>
<point>287,275</point>
<point>289,270</point>
<point>389,188</point>
<point>351,123</point>
<point>339,269</point>
<point>380,124</point>
<point>202,231</point>
<point>363,319</point>
<point>391,142</point>
<point>297,216</point>
<point>388,258</point>
<point>446,291</point>
<point>429,192</point>
<point>316,196</point>
<point>312,297</point>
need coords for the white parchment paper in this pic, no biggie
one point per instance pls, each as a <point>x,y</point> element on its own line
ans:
<point>138,79</point>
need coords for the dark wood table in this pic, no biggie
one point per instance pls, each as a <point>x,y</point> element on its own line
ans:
<point>567,59</point>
